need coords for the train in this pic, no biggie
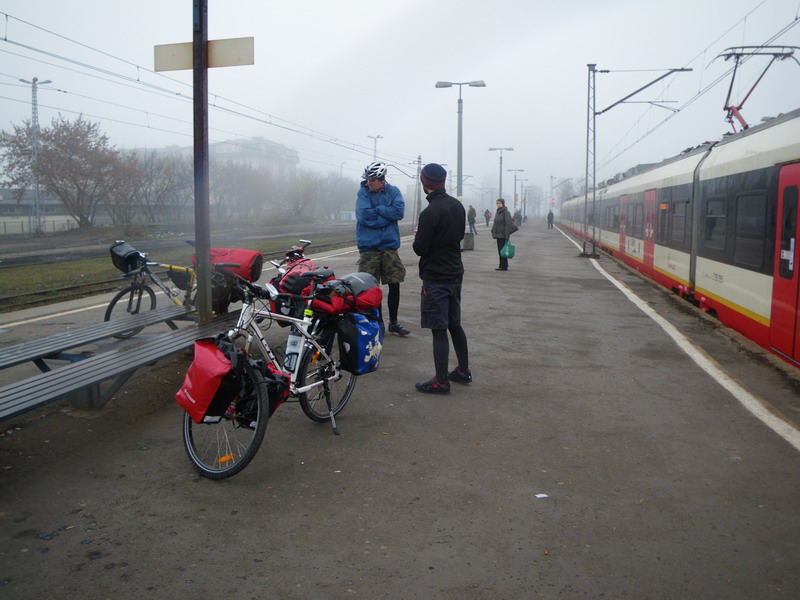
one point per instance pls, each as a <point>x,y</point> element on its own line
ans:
<point>718,225</point>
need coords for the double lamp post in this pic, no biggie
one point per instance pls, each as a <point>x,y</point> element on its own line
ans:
<point>447,84</point>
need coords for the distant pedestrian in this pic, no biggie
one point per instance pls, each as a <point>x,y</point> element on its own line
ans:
<point>487,214</point>
<point>438,244</point>
<point>379,206</point>
<point>550,217</point>
<point>502,228</point>
<point>471,214</point>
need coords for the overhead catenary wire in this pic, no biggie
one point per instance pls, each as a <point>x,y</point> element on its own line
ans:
<point>610,157</point>
<point>138,82</point>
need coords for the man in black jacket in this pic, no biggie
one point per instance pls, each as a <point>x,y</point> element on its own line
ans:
<point>438,244</point>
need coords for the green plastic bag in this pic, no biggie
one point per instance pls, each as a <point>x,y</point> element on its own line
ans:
<point>507,251</point>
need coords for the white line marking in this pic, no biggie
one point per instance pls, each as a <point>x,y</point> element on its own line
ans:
<point>705,362</point>
<point>54,315</point>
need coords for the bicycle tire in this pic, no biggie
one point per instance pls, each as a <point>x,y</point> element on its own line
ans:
<point>132,296</point>
<point>220,450</point>
<point>318,403</point>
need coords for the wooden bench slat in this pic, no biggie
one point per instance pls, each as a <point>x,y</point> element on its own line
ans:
<point>35,391</point>
<point>42,347</point>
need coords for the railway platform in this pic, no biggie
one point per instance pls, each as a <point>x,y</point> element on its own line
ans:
<point>614,443</point>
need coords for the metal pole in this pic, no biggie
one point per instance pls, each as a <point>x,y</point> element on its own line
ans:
<point>460,155</point>
<point>202,225</point>
<point>588,145</point>
<point>501,176</point>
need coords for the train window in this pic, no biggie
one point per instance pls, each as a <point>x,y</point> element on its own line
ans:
<point>715,223</point>
<point>637,229</point>
<point>788,232</point>
<point>679,221</point>
<point>751,230</point>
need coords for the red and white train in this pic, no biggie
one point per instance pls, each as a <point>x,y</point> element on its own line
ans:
<point>718,225</point>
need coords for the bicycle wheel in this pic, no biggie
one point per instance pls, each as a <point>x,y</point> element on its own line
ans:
<point>222,449</point>
<point>130,301</point>
<point>331,395</point>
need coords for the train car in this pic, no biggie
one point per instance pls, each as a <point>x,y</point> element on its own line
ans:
<point>718,225</point>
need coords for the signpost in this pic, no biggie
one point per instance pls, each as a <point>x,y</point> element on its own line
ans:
<point>199,55</point>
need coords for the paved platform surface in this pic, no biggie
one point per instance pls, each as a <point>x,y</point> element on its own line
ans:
<point>591,458</point>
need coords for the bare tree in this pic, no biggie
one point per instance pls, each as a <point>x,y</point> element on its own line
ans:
<point>76,164</point>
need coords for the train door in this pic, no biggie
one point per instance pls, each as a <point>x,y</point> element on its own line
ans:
<point>649,233</point>
<point>784,330</point>
<point>623,225</point>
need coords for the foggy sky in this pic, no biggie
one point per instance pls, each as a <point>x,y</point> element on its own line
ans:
<point>328,74</point>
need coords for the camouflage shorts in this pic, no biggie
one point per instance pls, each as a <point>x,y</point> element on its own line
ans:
<point>384,265</point>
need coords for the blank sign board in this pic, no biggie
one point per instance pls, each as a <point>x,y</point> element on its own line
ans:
<point>221,53</point>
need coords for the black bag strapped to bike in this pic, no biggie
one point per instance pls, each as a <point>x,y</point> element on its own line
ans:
<point>250,262</point>
<point>125,257</point>
<point>277,386</point>
<point>213,380</point>
<point>360,342</point>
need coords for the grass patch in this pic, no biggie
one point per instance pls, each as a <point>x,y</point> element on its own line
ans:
<point>42,277</point>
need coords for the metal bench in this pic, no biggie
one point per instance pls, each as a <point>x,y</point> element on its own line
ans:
<point>85,376</point>
<point>54,346</point>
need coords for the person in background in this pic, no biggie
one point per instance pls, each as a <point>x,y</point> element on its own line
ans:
<point>502,228</point>
<point>438,244</point>
<point>379,206</point>
<point>487,214</point>
<point>550,218</point>
<point>471,214</point>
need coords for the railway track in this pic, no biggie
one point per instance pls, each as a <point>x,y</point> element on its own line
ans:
<point>63,293</point>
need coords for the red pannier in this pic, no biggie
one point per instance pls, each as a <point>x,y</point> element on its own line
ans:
<point>212,381</point>
<point>292,282</point>
<point>356,292</point>
<point>250,262</point>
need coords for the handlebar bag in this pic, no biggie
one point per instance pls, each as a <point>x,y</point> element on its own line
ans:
<point>125,257</point>
<point>360,342</point>
<point>213,380</point>
<point>250,262</point>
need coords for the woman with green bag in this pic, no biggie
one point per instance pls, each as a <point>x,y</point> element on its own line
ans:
<point>502,229</point>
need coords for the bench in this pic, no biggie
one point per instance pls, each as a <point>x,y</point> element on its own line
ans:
<point>86,375</point>
<point>54,346</point>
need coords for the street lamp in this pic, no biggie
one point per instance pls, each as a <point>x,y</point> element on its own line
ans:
<point>500,193</point>
<point>375,139</point>
<point>447,84</point>
<point>38,221</point>
<point>522,198</point>
<point>515,171</point>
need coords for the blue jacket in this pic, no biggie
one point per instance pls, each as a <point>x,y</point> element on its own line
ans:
<point>377,214</point>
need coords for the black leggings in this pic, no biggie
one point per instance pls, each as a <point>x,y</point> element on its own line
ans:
<point>393,301</point>
<point>441,349</point>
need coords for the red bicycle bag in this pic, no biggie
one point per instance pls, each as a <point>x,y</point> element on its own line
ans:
<point>212,381</point>
<point>250,262</point>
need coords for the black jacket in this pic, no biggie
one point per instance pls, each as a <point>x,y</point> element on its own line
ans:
<point>438,239</point>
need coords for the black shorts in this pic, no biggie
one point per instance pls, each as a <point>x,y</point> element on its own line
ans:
<point>440,305</point>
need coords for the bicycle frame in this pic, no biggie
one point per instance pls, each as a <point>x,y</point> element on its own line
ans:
<point>247,328</point>
<point>145,273</point>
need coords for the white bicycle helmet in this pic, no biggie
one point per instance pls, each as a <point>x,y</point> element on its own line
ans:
<point>375,170</point>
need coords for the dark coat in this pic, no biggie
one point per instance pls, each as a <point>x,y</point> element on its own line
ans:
<point>503,225</point>
<point>438,239</point>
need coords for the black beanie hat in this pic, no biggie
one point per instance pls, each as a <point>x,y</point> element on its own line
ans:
<point>433,176</point>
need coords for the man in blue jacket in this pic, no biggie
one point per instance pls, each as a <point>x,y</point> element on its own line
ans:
<point>438,244</point>
<point>379,206</point>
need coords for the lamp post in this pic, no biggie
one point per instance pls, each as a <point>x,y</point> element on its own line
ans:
<point>515,171</point>
<point>37,200</point>
<point>522,198</point>
<point>500,193</point>
<point>447,84</point>
<point>375,139</point>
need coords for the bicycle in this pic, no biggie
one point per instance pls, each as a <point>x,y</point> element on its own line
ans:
<point>309,373</point>
<point>139,296</point>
